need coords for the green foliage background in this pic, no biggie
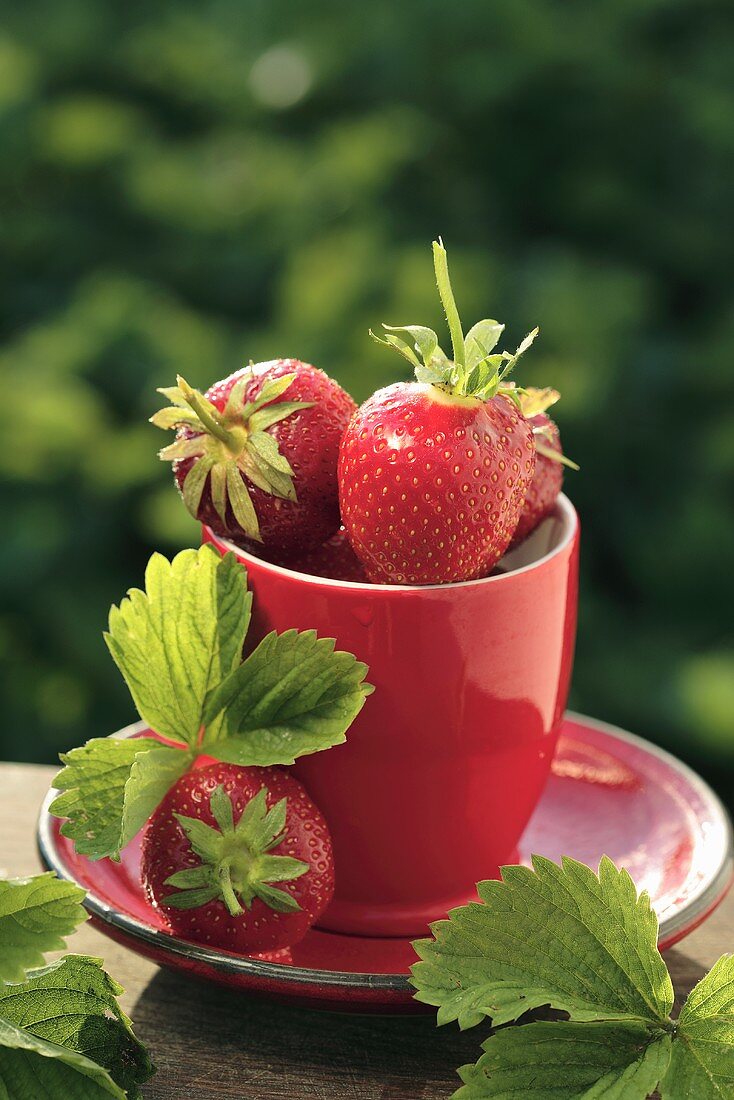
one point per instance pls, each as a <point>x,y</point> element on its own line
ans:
<point>187,186</point>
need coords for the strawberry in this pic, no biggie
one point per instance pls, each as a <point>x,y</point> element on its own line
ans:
<point>433,473</point>
<point>219,841</point>
<point>547,480</point>
<point>334,560</point>
<point>255,458</point>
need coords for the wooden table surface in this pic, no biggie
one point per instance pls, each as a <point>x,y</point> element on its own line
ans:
<point>209,1043</point>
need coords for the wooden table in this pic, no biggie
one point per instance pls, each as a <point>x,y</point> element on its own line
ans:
<point>209,1043</point>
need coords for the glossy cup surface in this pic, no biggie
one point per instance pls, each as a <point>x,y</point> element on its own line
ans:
<point>444,766</point>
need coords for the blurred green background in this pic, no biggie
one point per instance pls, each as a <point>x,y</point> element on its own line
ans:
<point>187,186</point>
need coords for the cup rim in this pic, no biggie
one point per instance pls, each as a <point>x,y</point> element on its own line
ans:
<point>563,506</point>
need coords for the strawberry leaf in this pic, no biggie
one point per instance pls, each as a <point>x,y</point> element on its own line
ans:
<point>177,640</point>
<point>480,340</point>
<point>110,788</point>
<point>35,916</point>
<point>179,646</point>
<point>543,937</point>
<point>241,502</point>
<point>72,1004</point>
<point>424,340</point>
<point>586,945</point>
<point>193,486</point>
<point>534,401</point>
<point>273,414</point>
<point>432,367</point>
<point>702,1065</point>
<point>540,1061</point>
<point>293,695</point>
<point>396,342</point>
<point>271,390</point>
<point>275,470</point>
<point>31,1068</point>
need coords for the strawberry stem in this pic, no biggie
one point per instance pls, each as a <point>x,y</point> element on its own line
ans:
<point>206,415</point>
<point>441,267</point>
<point>225,884</point>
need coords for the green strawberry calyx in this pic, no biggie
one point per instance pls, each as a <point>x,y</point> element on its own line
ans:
<point>533,402</point>
<point>230,446</point>
<point>475,369</point>
<point>236,866</point>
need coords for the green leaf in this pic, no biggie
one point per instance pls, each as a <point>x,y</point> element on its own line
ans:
<point>277,899</point>
<point>34,1069</point>
<point>193,486</point>
<point>175,395</point>
<point>205,841</point>
<point>271,390</point>
<point>534,401</point>
<point>218,489</point>
<point>174,417</point>
<point>555,456</point>
<point>110,788</point>
<point>480,340</point>
<point>391,341</point>
<point>483,378</point>
<point>249,464</point>
<point>266,448</point>
<point>568,1061</point>
<point>235,401</point>
<point>221,806</point>
<point>272,466</point>
<point>152,775</point>
<point>433,367</point>
<point>72,1003</point>
<point>293,695</point>
<point>35,916</point>
<point>191,878</point>
<point>261,827</point>
<point>555,935</point>
<point>265,418</point>
<point>702,1065</point>
<point>280,868</point>
<point>523,347</point>
<point>180,638</point>
<point>425,340</point>
<point>241,502</point>
<point>185,447</point>
<point>194,899</point>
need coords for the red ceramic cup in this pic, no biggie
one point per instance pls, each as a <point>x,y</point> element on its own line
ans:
<point>444,766</point>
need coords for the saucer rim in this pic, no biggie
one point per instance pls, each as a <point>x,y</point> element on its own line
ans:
<point>703,901</point>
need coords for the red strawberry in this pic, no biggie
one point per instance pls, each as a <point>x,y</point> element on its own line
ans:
<point>239,858</point>
<point>433,473</point>
<point>255,458</point>
<point>547,480</point>
<point>334,560</point>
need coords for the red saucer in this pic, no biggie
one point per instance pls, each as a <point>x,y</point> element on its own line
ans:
<point>610,793</point>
